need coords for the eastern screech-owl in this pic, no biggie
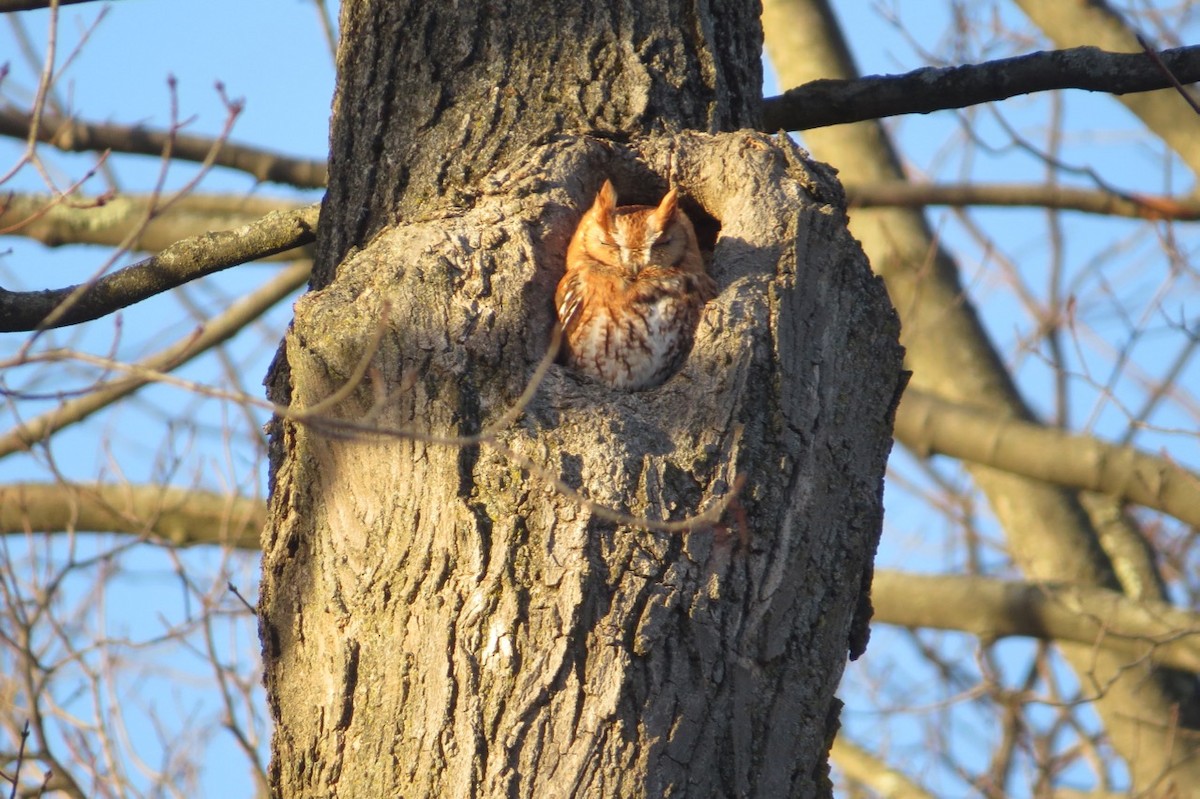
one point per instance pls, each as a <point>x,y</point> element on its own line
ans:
<point>633,292</point>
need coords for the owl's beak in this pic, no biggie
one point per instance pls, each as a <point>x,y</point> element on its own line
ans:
<point>632,260</point>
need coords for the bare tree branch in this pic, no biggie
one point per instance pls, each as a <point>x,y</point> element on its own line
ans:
<point>832,102</point>
<point>182,517</point>
<point>183,261</point>
<point>213,333</point>
<point>815,104</point>
<point>74,136</point>
<point>7,6</point>
<point>109,221</point>
<point>990,609</point>
<point>930,425</point>
<point>900,193</point>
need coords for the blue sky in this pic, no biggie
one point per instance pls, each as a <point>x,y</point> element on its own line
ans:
<point>273,54</point>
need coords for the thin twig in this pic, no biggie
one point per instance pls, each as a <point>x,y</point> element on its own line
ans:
<point>71,135</point>
<point>1169,73</point>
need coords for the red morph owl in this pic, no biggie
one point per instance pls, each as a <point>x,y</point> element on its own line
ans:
<point>633,293</point>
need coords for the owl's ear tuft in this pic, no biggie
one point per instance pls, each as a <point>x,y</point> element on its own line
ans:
<point>607,196</point>
<point>664,214</point>
<point>605,205</point>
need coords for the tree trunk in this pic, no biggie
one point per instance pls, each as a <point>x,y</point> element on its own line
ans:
<point>447,619</point>
<point>430,99</point>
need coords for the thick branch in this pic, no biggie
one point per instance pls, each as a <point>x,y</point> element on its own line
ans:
<point>930,425</point>
<point>75,136</point>
<point>902,194</point>
<point>991,609</point>
<point>110,221</point>
<point>180,516</point>
<point>181,262</point>
<point>832,102</point>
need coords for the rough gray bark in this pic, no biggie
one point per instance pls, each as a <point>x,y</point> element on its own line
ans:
<point>440,622</point>
<point>431,99</point>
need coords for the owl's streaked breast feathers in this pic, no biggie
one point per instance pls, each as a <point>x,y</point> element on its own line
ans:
<point>634,289</point>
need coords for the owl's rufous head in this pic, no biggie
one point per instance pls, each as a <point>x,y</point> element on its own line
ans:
<point>638,235</point>
<point>604,209</point>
